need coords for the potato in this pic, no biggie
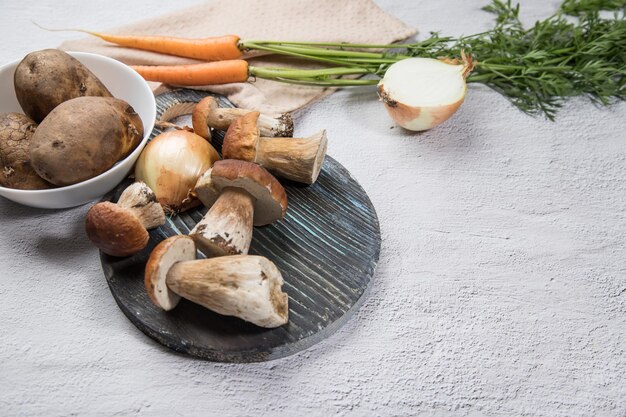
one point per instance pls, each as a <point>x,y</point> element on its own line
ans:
<point>16,131</point>
<point>44,79</point>
<point>83,137</point>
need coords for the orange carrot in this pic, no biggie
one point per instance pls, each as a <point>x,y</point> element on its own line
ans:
<point>208,49</point>
<point>209,73</point>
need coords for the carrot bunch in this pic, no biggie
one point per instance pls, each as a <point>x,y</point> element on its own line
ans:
<point>225,65</point>
<point>222,51</point>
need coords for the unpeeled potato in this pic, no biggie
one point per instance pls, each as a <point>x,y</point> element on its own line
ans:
<point>44,79</point>
<point>16,132</point>
<point>83,137</point>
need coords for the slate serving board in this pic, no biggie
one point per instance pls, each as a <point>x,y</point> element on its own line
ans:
<point>326,248</point>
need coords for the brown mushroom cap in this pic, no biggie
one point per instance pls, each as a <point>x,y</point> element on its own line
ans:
<point>115,230</point>
<point>200,114</point>
<point>167,253</point>
<point>270,197</point>
<point>241,138</point>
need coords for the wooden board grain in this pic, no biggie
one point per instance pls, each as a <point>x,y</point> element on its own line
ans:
<point>326,247</point>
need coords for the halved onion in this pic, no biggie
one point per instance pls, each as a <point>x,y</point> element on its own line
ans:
<point>171,164</point>
<point>420,93</point>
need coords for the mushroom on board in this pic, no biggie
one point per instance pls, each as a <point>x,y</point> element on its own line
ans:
<point>208,114</point>
<point>296,159</point>
<point>244,286</point>
<point>122,229</point>
<point>239,194</point>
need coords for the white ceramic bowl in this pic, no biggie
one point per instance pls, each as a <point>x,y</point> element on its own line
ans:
<point>123,83</point>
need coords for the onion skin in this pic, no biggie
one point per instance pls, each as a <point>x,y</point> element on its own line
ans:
<point>171,164</point>
<point>417,118</point>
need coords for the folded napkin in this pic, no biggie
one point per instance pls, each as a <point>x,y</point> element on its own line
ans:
<point>355,21</point>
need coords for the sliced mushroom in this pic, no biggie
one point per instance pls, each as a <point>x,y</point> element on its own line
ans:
<point>239,195</point>
<point>208,113</point>
<point>244,286</point>
<point>297,159</point>
<point>121,229</point>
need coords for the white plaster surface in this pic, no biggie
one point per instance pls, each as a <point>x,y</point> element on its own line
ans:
<point>501,288</point>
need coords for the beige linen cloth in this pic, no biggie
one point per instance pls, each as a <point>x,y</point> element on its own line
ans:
<point>355,21</point>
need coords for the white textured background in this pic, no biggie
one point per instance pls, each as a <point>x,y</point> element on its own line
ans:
<point>501,288</point>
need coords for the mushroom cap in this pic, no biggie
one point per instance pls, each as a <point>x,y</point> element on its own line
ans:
<point>208,105</point>
<point>170,251</point>
<point>200,115</point>
<point>270,197</point>
<point>115,230</point>
<point>241,138</point>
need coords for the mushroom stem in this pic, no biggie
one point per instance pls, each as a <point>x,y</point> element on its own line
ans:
<point>244,286</point>
<point>295,159</point>
<point>226,229</point>
<point>140,200</point>
<point>207,113</point>
<point>221,118</point>
<point>281,126</point>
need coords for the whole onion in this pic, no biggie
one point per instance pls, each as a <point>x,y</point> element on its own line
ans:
<point>171,164</point>
<point>420,93</point>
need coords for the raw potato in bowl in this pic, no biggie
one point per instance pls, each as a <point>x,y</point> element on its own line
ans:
<point>44,79</point>
<point>123,83</point>
<point>83,137</point>
<point>16,131</point>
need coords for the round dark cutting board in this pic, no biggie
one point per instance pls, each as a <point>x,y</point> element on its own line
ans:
<point>326,248</point>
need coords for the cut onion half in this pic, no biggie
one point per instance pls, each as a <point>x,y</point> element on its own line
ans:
<point>421,93</point>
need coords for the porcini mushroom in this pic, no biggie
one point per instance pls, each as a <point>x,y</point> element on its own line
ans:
<point>244,286</point>
<point>297,159</point>
<point>239,194</point>
<point>122,229</point>
<point>208,113</point>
